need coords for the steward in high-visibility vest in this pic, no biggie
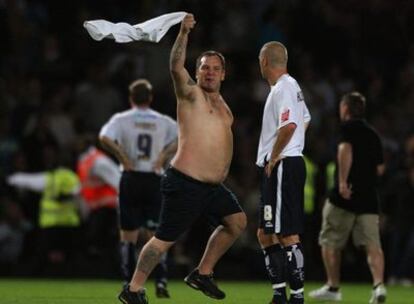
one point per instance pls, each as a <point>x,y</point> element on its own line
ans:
<point>330,176</point>
<point>58,206</point>
<point>311,170</point>
<point>59,220</point>
<point>59,188</point>
<point>99,178</point>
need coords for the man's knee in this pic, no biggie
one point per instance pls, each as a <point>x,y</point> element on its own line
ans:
<point>373,250</point>
<point>288,240</point>
<point>266,240</point>
<point>160,245</point>
<point>129,235</point>
<point>236,223</point>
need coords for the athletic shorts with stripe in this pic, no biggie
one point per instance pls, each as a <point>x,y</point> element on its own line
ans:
<point>185,199</point>
<point>282,197</point>
<point>139,200</point>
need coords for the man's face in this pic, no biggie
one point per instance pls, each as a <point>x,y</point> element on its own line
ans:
<point>210,73</point>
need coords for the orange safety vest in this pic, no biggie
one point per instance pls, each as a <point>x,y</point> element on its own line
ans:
<point>95,192</point>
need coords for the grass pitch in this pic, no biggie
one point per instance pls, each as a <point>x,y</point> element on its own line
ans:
<point>39,291</point>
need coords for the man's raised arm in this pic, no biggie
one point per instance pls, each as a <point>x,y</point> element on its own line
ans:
<point>182,81</point>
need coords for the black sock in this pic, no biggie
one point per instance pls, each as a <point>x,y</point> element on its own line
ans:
<point>295,272</point>
<point>128,253</point>
<point>275,262</point>
<point>161,271</point>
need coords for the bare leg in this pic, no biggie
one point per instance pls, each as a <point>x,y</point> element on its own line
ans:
<point>148,259</point>
<point>289,240</point>
<point>266,240</point>
<point>375,258</point>
<point>332,261</point>
<point>129,235</point>
<point>221,240</point>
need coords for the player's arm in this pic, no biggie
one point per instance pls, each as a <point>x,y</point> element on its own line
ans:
<point>183,83</point>
<point>31,181</point>
<point>165,155</point>
<point>306,116</point>
<point>283,138</point>
<point>117,151</point>
<point>344,157</point>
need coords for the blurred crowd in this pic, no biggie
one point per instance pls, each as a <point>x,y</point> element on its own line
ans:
<point>57,85</point>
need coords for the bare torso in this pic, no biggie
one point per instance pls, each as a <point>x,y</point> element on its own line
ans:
<point>205,143</point>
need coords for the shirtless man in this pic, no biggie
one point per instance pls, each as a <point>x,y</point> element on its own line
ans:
<point>192,186</point>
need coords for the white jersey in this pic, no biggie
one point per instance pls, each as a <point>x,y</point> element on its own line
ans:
<point>284,105</point>
<point>142,134</point>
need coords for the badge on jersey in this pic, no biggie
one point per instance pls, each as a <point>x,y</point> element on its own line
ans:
<point>285,116</point>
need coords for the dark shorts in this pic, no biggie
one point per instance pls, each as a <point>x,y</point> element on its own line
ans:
<point>282,195</point>
<point>185,199</point>
<point>139,200</point>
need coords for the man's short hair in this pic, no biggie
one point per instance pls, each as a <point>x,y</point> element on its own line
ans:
<point>276,53</point>
<point>210,54</point>
<point>140,91</point>
<point>356,104</point>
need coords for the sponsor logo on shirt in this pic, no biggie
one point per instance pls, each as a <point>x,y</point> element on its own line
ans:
<point>145,125</point>
<point>285,116</point>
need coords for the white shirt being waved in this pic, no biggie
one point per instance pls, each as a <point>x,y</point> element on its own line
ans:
<point>143,134</point>
<point>284,105</point>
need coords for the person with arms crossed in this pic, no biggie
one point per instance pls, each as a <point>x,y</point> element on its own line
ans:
<point>142,140</point>
<point>285,119</point>
<point>353,203</point>
<point>192,186</point>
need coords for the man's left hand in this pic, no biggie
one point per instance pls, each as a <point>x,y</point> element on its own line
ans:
<point>271,164</point>
<point>158,166</point>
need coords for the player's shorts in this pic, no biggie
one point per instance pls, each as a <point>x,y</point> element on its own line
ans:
<point>139,200</point>
<point>185,199</point>
<point>282,198</point>
<point>338,223</point>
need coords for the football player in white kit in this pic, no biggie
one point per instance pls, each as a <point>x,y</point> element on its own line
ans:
<point>142,140</point>
<point>282,139</point>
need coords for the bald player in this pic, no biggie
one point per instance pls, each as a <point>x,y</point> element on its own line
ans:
<point>285,119</point>
<point>192,186</point>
